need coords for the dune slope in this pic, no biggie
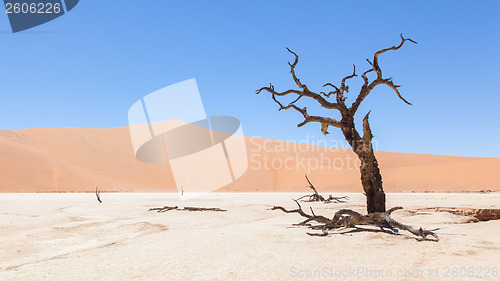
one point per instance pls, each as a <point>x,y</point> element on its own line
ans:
<point>78,159</point>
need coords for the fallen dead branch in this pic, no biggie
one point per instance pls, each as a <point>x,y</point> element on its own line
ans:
<point>313,217</point>
<point>316,197</point>
<point>475,215</point>
<point>191,209</point>
<point>202,209</point>
<point>351,219</point>
<point>163,209</point>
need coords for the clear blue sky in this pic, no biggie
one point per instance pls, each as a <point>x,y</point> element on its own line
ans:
<point>86,68</point>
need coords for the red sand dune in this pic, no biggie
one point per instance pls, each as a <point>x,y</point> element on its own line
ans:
<point>78,159</point>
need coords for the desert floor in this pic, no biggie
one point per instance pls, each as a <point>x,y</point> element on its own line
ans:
<point>65,236</point>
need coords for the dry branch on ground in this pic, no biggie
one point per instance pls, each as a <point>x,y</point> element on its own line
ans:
<point>316,197</point>
<point>475,215</point>
<point>351,219</point>
<point>191,209</point>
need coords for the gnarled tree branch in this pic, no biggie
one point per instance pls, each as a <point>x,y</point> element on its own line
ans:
<point>325,121</point>
<point>309,218</point>
<point>305,92</point>
<point>389,83</point>
<point>348,218</point>
<point>368,87</point>
<point>376,67</point>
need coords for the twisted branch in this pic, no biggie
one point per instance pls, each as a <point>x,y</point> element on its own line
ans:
<point>368,87</point>
<point>305,92</point>
<point>376,67</point>
<point>325,121</point>
<point>343,87</point>
<point>350,219</point>
<point>320,219</point>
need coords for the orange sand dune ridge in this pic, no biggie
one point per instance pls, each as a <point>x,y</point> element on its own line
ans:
<point>79,160</point>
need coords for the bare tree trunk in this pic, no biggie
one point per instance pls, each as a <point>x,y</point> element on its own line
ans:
<point>372,184</point>
<point>371,179</point>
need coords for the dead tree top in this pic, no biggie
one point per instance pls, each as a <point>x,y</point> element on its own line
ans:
<point>339,104</point>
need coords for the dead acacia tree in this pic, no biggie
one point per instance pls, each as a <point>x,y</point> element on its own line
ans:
<point>371,178</point>
<point>315,197</point>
